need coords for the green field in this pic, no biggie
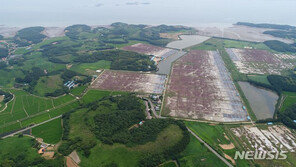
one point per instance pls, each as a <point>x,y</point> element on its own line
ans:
<point>196,154</point>
<point>48,84</point>
<point>259,78</point>
<point>50,132</point>
<point>93,95</point>
<point>214,135</point>
<point>77,91</point>
<point>19,151</point>
<point>290,99</point>
<point>214,43</point>
<point>90,68</point>
<point>245,44</point>
<point>30,109</point>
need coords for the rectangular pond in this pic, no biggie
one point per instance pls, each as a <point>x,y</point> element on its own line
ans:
<point>262,101</point>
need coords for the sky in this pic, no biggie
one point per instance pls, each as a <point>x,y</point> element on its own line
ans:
<point>22,13</point>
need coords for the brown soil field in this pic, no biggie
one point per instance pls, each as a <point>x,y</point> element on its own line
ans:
<point>130,82</point>
<point>200,87</point>
<point>253,61</point>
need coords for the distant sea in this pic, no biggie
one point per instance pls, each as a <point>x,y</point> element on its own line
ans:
<point>23,13</point>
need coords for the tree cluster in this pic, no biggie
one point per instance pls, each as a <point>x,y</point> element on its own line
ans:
<point>3,52</point>
<point>31,78</point>
<point>282,83</point>
<point>288,116</point>
<point>282,34</point>
<point>120,60</point>
<point>280,46</point>
<point>74,30</point>
<point>28,36</point>
<point>7,96</point>
<point>270,26</point>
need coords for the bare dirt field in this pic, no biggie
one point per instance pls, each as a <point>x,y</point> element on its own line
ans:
<point>130,82</point>
<point>75,157</point>
<point>272,138</point>
<point>159,53</point>
<point>8,31</point>
<point>54,31</point>
<point>187,41</point>
<point>240,33</point>
<point>200,87</point>
<point>1,98</point>
<point>252,61</point>
<point>70,162</point>
<point>174,36</point>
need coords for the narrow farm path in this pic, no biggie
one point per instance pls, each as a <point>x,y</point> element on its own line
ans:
<point>210,148</point>
<point>12,134</point>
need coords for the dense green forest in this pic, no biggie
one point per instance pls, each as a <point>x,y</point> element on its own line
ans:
<point>115,119</point>
<point>265,25</point>
<point>121,60</point>
<point>280,46</point>
<point>288,116</point>
<point>22,151</point>
<point>3,52</point>
<point>283,83</point>
<point>7,96</point>
<point>74,30</point>
<point>28,36</point>
<point>282,34</point>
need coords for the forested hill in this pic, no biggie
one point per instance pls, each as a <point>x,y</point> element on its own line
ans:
<point>28,36</point>
<point>266,25</point>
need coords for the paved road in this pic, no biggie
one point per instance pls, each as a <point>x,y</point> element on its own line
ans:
<point>210,148</point>
<point>12,134</point>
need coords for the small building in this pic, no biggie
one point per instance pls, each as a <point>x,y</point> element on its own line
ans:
<point>141,123</point>
<point>41,150</point>
<point>157,108</point>
<point>248,117</point>
<point>294,121</point>
<point>244,108</point>
<point>269,123</point>
<point>154,97</point>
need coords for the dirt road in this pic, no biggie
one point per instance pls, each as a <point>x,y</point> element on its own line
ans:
<point>210,148</point>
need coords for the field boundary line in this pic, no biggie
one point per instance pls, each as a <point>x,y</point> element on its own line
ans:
<point>14,133</point>
<point>210,148</point>
<point>37,114</point>
<point>7,103</point>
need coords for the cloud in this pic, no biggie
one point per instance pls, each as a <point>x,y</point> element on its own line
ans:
<point>99,5</point>
<point>132,3</point>
<point>138,3</point>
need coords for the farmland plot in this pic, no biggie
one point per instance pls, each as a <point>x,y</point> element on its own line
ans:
<point>130,82</point>
<point>274,138</point>
<point>158,53</point>
<point>200,87</point>
<point>252,61</point>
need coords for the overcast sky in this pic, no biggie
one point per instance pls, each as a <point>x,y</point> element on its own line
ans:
<point>187,12</point>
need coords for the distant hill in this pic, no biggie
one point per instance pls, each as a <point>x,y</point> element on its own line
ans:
<point>266,25</point>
